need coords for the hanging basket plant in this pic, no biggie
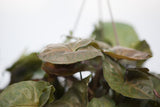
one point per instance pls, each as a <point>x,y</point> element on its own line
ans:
<point>115,62</point>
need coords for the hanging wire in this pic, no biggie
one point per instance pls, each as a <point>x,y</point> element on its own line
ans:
<point>78,17</point>
<point>113,23</point>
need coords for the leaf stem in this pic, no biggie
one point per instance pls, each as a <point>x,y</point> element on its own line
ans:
<point>80,75</point>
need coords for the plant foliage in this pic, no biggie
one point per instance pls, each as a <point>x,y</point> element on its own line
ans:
<point>118,77</point>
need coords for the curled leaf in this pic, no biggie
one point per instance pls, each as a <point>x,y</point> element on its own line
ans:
<point>69,69</point>
<point>69,53</point>
<point>102,45</point>
<point>61,69</point>
<point>26,94</point>
<point>126,53</point>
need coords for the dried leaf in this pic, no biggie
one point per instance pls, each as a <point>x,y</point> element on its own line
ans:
<point>27,94</point>
<point>140,88</point>
<point>119,52</point>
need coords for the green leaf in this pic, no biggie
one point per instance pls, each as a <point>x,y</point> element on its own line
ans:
<point>126,34</point>
<point>70,53</point>
<point>140,88</point>
<point>25,67</point>
<point>27,94</point>
<point>143,46</point>
<point>75,97</point>
<point>101,102</point>
<point>119,52</point>
<point>59,89</point>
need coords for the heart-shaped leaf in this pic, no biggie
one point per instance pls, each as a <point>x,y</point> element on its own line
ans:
<point>69,53</point>
<point>27,94</point>
<point>140,88</point>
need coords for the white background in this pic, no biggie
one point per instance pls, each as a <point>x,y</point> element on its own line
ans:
<point>32,24</point>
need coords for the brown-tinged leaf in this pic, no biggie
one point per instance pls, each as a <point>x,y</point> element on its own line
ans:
<point>69,69</point>
<point>60,69</point>
<point>79,44</point>
<point>136,73</point>
<point>102,45</point>
<point>119,52</point>
<point>140,88</point>
<point>138,69</point>
<point>69,53</point>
